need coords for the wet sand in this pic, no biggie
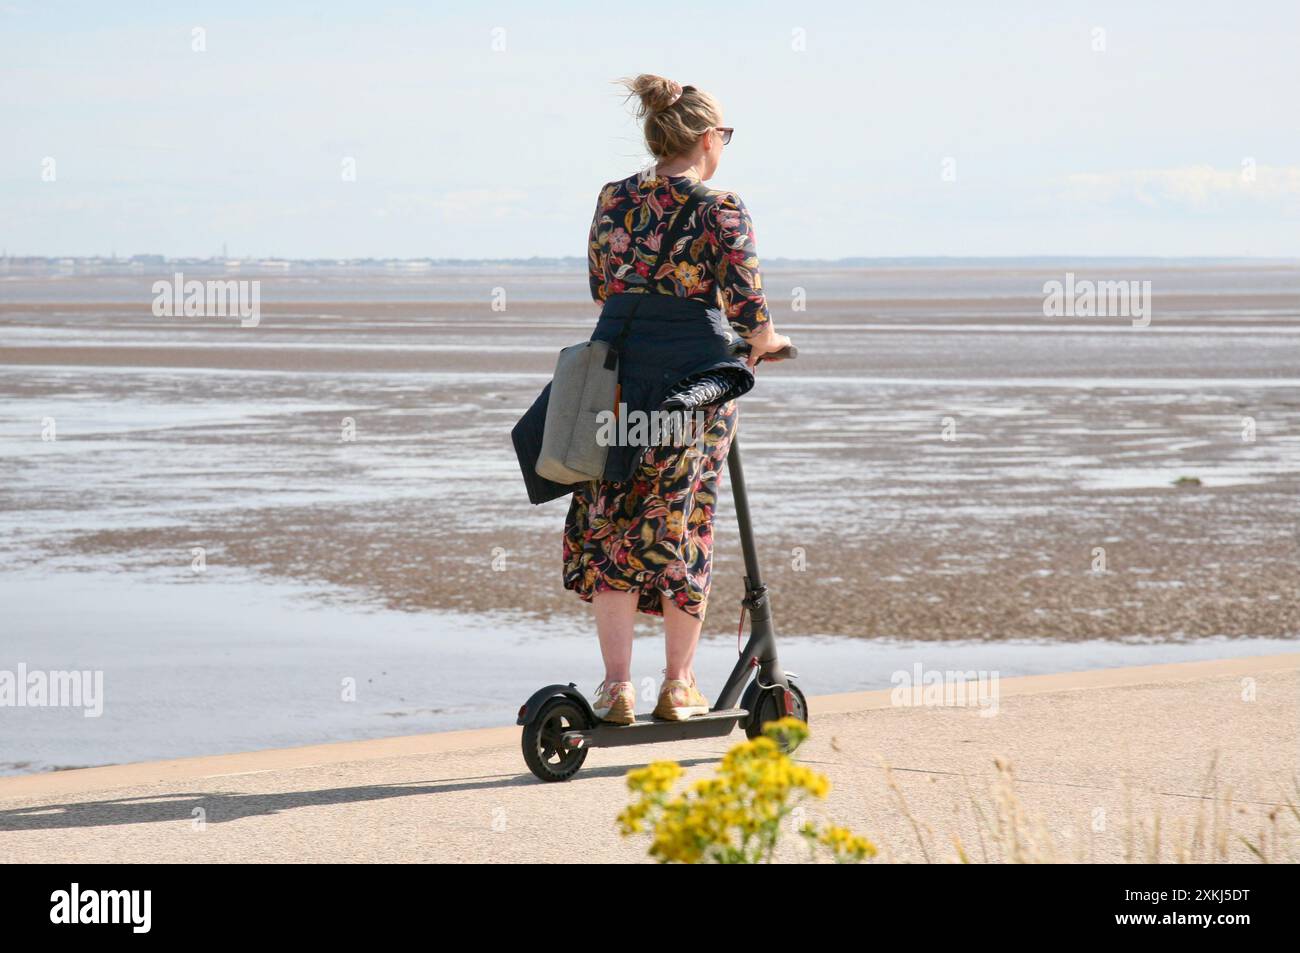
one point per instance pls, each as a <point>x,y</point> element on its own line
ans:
<point>1070,433</point>
<point>205,664</point>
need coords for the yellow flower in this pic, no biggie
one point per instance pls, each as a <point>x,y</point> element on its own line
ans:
<point>744,803</point>
<point>687,274</point>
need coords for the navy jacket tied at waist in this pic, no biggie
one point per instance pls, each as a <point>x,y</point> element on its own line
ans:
<point>670,339</point>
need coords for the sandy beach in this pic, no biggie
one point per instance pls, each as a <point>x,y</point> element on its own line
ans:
<point>1116,765</point>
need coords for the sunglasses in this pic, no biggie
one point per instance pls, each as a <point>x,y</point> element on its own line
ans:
<point>726,133</point>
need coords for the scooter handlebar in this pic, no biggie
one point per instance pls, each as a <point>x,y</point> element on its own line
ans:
<point>787,353</point>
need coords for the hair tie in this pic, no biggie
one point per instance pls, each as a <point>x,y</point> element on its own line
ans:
<point>677,92</point>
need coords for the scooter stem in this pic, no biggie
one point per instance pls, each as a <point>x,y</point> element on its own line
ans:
<point>741,501</point>
<point>760,651</point>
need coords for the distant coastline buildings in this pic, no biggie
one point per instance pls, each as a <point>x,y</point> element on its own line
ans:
<point>151,264</point>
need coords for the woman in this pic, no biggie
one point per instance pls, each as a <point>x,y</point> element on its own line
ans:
<point>646,543</point>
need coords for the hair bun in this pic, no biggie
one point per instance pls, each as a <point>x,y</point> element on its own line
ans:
<point>675,115</point>
<point>655,92</point>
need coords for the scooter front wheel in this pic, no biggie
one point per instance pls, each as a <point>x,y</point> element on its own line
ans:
<point>544,754</point>
<point>768,708</point>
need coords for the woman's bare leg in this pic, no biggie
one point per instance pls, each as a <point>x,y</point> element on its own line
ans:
<point>615,621</point>
<point>681,636</point>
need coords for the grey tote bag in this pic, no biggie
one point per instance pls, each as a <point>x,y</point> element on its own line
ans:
<point>585,385</point>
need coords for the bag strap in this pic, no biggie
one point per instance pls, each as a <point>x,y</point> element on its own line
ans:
<point>675,226</point>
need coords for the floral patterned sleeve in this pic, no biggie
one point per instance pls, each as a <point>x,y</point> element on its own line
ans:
<point>740,284</point>
<point>595,260</point>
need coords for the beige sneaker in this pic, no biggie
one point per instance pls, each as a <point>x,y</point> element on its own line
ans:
<point>680,699</point>
<point>616,702</point>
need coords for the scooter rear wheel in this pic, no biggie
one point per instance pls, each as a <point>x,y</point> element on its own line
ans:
<point>545,756</point>
<point>768,709</point>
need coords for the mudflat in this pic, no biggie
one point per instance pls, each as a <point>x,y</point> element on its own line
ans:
<point>942,461</point>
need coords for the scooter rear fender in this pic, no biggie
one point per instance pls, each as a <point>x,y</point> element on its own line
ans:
<point>528,711</point>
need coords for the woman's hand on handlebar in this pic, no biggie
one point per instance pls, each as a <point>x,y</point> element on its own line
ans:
<point>764,345</point>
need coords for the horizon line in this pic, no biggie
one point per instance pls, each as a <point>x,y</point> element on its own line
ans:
<point>577,260</point>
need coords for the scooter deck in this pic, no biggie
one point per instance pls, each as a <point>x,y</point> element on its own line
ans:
<point>649,730</point>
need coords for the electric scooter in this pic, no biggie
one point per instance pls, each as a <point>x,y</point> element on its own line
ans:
<point>559,725</point>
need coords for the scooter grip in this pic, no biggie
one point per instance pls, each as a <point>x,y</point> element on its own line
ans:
<point>787,353</point>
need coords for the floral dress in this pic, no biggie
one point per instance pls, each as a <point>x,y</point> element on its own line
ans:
<point>654,532</point>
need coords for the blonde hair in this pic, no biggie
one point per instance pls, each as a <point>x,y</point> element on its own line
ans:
<point>671,127</point>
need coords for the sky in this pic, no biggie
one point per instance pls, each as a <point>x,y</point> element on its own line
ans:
<point>486,129</point>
